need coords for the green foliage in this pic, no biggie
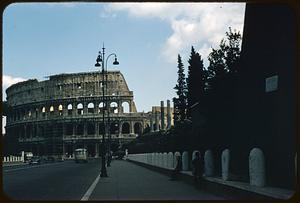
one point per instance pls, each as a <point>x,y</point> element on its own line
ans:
<point>181,91</point>
<point>195,80</point>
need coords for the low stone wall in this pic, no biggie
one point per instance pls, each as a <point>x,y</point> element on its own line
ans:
<point>254,189</point>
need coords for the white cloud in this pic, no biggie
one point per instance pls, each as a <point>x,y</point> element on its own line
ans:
<point>9,80</point>
<point>201,25</point>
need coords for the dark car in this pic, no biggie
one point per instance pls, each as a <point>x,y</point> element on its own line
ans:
<point>119,154</point>
<point>35,160</point>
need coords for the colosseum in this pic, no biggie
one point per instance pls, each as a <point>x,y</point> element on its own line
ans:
<point>55,116</point>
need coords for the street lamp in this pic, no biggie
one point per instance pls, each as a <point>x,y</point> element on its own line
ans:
<point>101,58</point>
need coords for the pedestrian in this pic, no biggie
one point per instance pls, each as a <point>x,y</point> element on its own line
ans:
<point>178,167</point>
<point>197,167</point>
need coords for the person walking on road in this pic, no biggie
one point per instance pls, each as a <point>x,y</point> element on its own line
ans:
<point>177,168</point>
<point>197,167</point>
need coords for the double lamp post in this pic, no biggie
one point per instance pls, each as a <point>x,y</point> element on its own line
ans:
<point>101,59</point>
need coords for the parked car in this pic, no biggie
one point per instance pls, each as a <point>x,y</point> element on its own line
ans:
<point>35,160</point>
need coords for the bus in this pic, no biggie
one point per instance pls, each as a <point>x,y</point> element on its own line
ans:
<point>81,155</point>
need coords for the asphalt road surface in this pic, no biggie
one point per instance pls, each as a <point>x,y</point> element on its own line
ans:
<point>70,181</point>
<point>53,181</point>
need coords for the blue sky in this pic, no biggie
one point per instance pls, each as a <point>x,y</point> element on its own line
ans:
<point>42,39</point>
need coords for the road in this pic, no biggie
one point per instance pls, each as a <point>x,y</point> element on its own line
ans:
<point>54,181</point>
<point>70,181</point>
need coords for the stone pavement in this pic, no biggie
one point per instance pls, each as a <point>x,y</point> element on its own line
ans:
<point>128,181</point>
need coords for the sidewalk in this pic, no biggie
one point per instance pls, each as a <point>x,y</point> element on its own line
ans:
<point>13,164</point>
<point>128,181</point>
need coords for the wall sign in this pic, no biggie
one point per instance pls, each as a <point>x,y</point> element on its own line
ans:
<point>272,83</point>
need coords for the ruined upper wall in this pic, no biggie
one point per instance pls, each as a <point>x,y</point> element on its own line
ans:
<point>63,86</point>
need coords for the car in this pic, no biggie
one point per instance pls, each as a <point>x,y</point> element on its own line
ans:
<point>35,160</point>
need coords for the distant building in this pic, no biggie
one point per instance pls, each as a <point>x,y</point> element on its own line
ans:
<point>55,116</point>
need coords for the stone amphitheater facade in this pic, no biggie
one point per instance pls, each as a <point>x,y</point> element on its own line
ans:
<point>55,116</point>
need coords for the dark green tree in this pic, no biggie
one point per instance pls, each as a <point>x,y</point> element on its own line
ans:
<point>223,73</point>
<point>195,80</point>
<point>180,101</point>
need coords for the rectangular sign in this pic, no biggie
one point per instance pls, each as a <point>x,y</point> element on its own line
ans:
<point>272,83</point>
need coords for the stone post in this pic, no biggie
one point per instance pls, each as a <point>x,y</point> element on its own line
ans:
<point>168,114</point>
<point>208,163</point>
<point>165,160</point>
<point>225,160</point>
<point>185,161</point>
<point>170,160</point>
<point>257,168</point>
<point>162,115</point>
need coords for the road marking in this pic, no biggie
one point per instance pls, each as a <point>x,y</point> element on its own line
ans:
<point>17,169</point>
<point>88,193</point>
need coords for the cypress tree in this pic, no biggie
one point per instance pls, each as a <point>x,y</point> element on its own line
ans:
<point>195,80</point>
<point>180,102</point>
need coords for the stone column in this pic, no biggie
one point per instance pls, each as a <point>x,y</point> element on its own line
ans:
<point>151,122</point>
<point>156,121</point>
<point>162,115</point>
<point>168,114</point>
<point>73,131</point>
<point>97,129</point>
<point>74,109</point>
<point>65,109</point>
<point>85,108</point>
<point>96,107</point>
<point>131,128</point>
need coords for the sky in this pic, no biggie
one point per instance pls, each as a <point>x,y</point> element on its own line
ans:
<point>42,39</point>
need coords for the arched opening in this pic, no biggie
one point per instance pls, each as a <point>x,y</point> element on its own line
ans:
<point>114,128</point>
<point>125,107</point>
<point>51,110</point>
<point>114,107</point>
<point>101,105</point>
<point>101,129</point>
<point>80,109</point>
<point>43,111</point>
<point>29,113</point>
<point>69,107</point>
<point>91,129</point>
<point>125,128</point>
<point>69,129</point>
<point>79,129</point>
<point>60,110</point>
<point>137,128</point>
<point>91,108</point>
